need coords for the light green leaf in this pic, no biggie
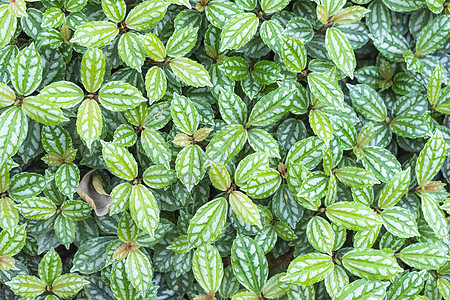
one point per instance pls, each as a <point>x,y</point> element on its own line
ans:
<point>125,135</point>
<point>92,69</point>
<point>434,215</point>
<point>131,50</point>
<point>8,25</point>
<point>62,93</point>
<point>89,121</point>
<point>68,285</point>
<point>249,264</point>
<point>307,152</point>
<point>120,96</point>
<point>250,166</point>
<point>39,110</point>
<point>226,144</point>
<point>144,209</point>
<point>114,9</point>
<point>271,107</point>
<point>430,159</point>
<point>294,54</point>
<point>238,31</point>
<point>50,267</point>
<point>326,90</point>
<point>434,85</point>
<point>26,285</point>
<point>119,161</point>
<point>95,34</point>
<point>433,35</point>
<point>407,286</point>
<point>350,14</point>
<point>262,141</point>
<point>381,162</point>
<point>184,114</point>
<point>67,178</point>
<point>190,165</point>
<point>310,268</point>
<point>190,72</point>
<point>340,51</point>
<point>14,124</point>
<point>12,240</point>
<point>7,95</point>
<point>231,107</point>
<point>400,222</point>
<point>321,125</point>
<point>208,223</point>
<point>26,71</point>
<point>154,47</point>
<point>37,208</point>
<point>139,271</point>
<point>219,11</point>
<point>356,177</point>
<point>220,177</point>
<point>336,280</point>
<point>368,102</point>
<point>320,234</point>
<point>371,264</point>
<point>155,84</point>
<point>207,268</point>
<point>423,256</point>
<point>352,215</point>
<point>394,190</point>
<point>244,208</point>
<point>156,147</point>
<point>158,177</point>
<point>76,210</point>
<point>181,42</point>
<point>65,229</point>
<point>264,184</point>
<point>146,14</point>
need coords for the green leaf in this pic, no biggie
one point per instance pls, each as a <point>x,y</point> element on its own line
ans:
<point>238,31</point>
<point>430,159</point>
<point>67,178</point>
<point>368,102</point>
<point>120,286</point>
<point>125,135</point>
<point>249,264</point>
<point>26,285</point>
<point>271,107</point>
<point>336,280</point>
<point>119,161</point>
<point>340,51</point>
<point>190,72</point>
<point>434,215</point>
<point>208,223</point>
<point>139,271</point>
<point>400,222</point>
<point>423,256</point>
<point>158,177</point>
<point>146,14</point>
<point>407,286</point>
<point>156,147</point>
<point>264,184</point>
<point>12,240</point>
<point>363,288</point>
<point>26,185</point>
<point>7,95</point>
<point>352,215</point>
<point>313,189</point>
<point>68,285</point>
<point>218,12</point>
<point>8,214</point>
<point>95,34</point>
<point>37,208</point>
<point>326,90</point>
<point>356,177</point>
<point>434,85</point>
<point>76,210</point>
<point>321,125</point>
<point>231,107</point>
<point>144,209</point>
<point>394,190</point>
<point>310,268</point>
<point>294,54</point>
<point>62,93</point>
<point>320,234</point>
<point>50,267</point>
<point>53,17</point>
<point>155,84</point>
<point>114,9</point>
<point>184,114</point>
<point>350,14</point>
<point>266,72</point>
<point>272,35</point>
<point>120,96</point>
<point>236,68</point>
<point>181,42</point>
<point>92,69</point>
<point>262,141</point>
<point>250,166</point>
<point>410,125</point>
<point>275,287</point>
<point>89,121</point>
<point>190,165</point>
<point>207,268</point>
<point>226,144</point>
<point>154,47</point>
<point>39,110</point>
<point>244,208</point>
<point>381,162</point>
<point>65,229</point>
<point>131,50</point>
<point>307,152</point>
<point>8,25</point>
<point>433,35</point>
<point>220,177</point>
<point>371,264</point>
<point>26,71</point>
<point>272,6</point>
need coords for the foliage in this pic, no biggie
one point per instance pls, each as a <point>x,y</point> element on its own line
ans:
<point>217,149</point>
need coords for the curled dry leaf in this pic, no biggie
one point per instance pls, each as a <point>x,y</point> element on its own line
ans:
<point>91,190</point>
